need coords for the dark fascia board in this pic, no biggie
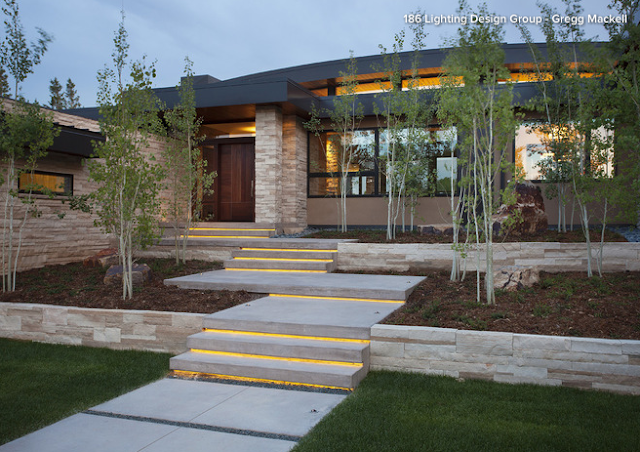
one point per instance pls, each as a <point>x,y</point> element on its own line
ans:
<point>89,112</point>
<point>432,58</point>
<point>522,92</point>
<point>75,141</point>
<point>222,94</point>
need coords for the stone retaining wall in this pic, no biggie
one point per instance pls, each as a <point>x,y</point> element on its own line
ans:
<point>551,257</point>
<point>612,365</point>
<point>111,328</point>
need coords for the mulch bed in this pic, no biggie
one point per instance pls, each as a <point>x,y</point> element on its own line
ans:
<point>566,304</point>
<point>75,285</point>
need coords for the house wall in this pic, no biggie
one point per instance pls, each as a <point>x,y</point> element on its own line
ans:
<point>268,165</point>
<point>604,364</point>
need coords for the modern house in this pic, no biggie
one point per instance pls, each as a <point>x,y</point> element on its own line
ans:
<point>271,170</point>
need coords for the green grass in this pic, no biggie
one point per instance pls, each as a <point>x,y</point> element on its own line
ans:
<point>43,383</point>
<point>411,412</point>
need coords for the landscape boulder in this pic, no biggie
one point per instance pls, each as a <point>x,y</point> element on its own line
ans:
<point>514,277</point>
<point>436,229</point>
<point>105,258</point>
<point>141,273</point>
<point>530,204</point>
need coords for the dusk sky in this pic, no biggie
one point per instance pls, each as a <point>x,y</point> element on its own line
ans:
<point>227,38</point>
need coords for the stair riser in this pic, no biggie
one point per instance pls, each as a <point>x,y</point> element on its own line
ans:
<point>279,265</point>
<point>288,328</point>
<point>293,376</point>
<point>285,254</point>
<point>326,352</point>
<point>225,232</point>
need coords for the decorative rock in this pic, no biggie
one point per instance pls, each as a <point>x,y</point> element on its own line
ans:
<point>530,204</point>
<point>141,273</point>
<point>436,229</point>
<point>104,259</point>
<point>514,277</point>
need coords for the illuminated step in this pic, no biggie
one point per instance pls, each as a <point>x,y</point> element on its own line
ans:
<point>232,232</point>
<point>277,264</point>
<point>283,254</point>
<point>329,349</point>
<point>313,373</point>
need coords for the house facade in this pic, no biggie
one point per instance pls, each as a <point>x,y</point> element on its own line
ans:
<point>271,170</point>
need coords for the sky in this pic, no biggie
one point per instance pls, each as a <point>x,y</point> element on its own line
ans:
<point>230,38</point>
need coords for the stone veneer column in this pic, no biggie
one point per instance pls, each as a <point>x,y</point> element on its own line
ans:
<point>268,176</point>
<point>294,170</point>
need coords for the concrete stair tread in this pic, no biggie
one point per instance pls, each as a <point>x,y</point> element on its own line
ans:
<point>292,347</point>
<point>344,376</point>
<point>304,317</point>
<point>312,284</point>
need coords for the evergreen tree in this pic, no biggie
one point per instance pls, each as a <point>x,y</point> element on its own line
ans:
<point>55,90</point>
<point>71,97</point>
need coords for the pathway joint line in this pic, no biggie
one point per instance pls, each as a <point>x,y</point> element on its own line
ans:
<point>194,425</point>
<point>273,270</point>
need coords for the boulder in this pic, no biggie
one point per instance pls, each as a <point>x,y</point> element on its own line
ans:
<point>436,229</point>
<point>105,258</point>
<point>514,277</point>
<point>141,273</point>
<point>530,204</point>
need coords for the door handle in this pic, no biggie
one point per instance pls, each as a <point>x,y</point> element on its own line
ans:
<point>252,187</point>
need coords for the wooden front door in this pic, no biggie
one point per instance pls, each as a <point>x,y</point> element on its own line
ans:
<point>233,189</point>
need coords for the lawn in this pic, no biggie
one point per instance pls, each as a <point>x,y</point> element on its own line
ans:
<point>410,412</point>
<point>43,383</point>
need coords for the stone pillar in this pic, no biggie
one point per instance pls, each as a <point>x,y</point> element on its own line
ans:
<point>294,170</point>
<point>268,186</point>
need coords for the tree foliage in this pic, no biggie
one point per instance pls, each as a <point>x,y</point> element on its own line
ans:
<point>481,107</point>
<point>184,163</point>
<point>26,132</point>
<point>129,177</point>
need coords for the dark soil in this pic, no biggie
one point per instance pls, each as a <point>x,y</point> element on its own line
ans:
<point>562,304</point>
<point>380,236</point>
<point>75,285</point>
<point>566,304</point>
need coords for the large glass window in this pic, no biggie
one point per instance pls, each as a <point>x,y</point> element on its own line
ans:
<point>428,156</point>
<point>535,156</point>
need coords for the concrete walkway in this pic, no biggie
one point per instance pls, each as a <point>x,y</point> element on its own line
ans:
<point>196,416</point>
<point>193,415</point>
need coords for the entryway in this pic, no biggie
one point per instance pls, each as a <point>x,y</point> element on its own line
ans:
<point>233,197</point>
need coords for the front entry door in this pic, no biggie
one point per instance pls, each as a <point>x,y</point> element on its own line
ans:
<point>233,197</point>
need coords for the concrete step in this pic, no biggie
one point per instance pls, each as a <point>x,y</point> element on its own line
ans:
<point>305,347</point>
<point>273,369</point>
<point>230,232</point>
<point>316,317</point>
<point>284,254</point>
<point>335,285</point>
<point>276,264</point>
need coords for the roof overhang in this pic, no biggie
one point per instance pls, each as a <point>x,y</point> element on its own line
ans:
<point>75,141</point>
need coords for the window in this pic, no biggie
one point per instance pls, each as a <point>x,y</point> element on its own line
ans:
<point>432,163</point>
<point>41,182</point>
<point>534,155</point>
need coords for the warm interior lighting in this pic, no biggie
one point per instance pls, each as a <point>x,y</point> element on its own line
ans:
<point>287,336</point>
<point>188,374</point>
<point>277,358</point>
<point>273,270</point>
<point>371,300</point>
